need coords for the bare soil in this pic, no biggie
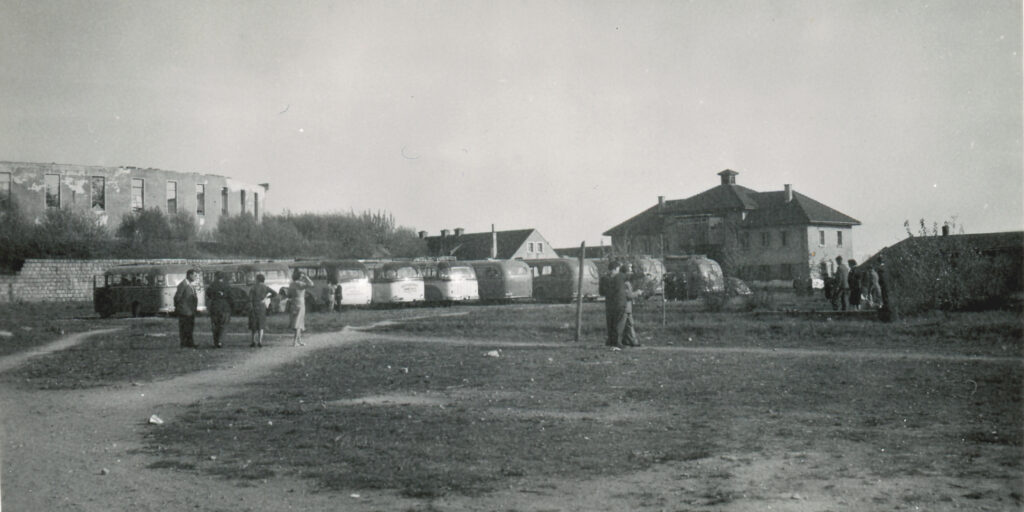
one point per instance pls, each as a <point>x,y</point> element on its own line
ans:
<point>82,450</point>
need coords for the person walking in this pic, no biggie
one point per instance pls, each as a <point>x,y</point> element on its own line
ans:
<point>842,283</point>
<point>625,334</point>
<point>219,303</point>
<point>258,295</point>
<point>606,285</point>
<point>297,305</point>
<point>186,304</point>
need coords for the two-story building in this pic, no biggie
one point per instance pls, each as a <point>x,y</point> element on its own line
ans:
<point>110,193</point>
<point>760,236</point>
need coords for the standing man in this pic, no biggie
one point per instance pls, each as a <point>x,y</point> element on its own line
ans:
<point>258,295</point>
<point>625,335</point>
<point>607,285</point>
<point>218,302</point>
<point>843,283</point>
<point>186,304</point>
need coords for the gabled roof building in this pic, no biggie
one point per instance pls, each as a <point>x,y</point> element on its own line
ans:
<point>760,236</point>
<point>521,244</point>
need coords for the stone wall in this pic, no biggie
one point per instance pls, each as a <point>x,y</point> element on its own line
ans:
<point>67,280</point>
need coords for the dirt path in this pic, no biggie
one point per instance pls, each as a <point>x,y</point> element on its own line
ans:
<point>81,451</point>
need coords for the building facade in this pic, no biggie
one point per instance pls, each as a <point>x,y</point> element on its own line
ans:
<point>522,244</point>
<point>110,193</point>
<point>760,236</point>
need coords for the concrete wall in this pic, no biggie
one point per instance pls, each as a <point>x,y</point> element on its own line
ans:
<point>78,187</point>
<point>65,280</point>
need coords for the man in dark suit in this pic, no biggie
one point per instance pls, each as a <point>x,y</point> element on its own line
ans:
<point>186,304</point>
<point>607,285</point>
<point>219,304</point>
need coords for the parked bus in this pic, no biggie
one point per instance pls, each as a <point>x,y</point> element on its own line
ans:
<point>322,294</point>
<point>397,282</point>
<point>141,289</point>
<point>648,273</point>
<point>241,277</point>
<point>503,280</point>
<point>446,282</point>
<point>354,278</point>
<point>556,279</point>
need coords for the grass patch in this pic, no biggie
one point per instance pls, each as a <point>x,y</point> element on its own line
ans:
<point>579,411</point>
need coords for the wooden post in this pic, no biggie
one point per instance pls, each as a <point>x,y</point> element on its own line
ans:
<point>663,299</point>
<point>579,292</point>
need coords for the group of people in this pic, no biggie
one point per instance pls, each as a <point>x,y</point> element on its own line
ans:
<point>220,302</point>
<point>618,304</point>
<point>849,284</point>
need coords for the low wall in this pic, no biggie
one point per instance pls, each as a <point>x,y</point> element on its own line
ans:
<point>67,280</point>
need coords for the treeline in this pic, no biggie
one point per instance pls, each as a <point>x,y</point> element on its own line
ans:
<point>154,234</point>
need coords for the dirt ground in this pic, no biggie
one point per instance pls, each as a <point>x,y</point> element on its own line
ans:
<point>81,450</point>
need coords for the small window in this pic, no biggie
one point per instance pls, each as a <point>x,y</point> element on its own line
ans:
<point>530,247</point>
<point>99,193</point>
<point>839,238</point>
<point>241,196</point>
<point>784,238</point>
<point>766,239</point>
<point>224,201</point>
<point>200,199</point>
<point>138,194</point>
<point>5,190</point>
<point>52,190</point>
<point>172,197</point>
<point>821,238</point>
<point>540,246</point>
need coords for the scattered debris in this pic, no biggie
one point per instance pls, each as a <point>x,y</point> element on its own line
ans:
<point>104,471</point>
<point>213,457</point>
<point>6,334</point>
<point>270,423</point>
<point>356,496</point>
<point>155,420</point>
<point>493,353</point>
<point>403,369</point>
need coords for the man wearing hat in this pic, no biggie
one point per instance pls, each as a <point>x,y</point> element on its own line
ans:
<point>218,302</point>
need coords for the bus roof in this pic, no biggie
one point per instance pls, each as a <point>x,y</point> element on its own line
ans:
<point>152,268</point>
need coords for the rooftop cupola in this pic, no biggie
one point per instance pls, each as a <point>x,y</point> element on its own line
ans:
<point>728,177</point>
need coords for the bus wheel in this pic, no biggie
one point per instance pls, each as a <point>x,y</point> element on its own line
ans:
<point>135,310</point>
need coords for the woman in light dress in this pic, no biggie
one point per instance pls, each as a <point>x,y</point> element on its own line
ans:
<point>297,304</point>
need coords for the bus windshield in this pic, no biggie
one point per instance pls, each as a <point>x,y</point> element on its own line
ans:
<point>461,273</point>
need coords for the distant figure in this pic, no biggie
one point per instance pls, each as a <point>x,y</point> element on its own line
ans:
<point>258,295</point>
<point>297,305</point>
<point>855,285</point>
<point>874,288</point>
<point>186,304</point>
<point>842,284</point>
<point>219,303</point>
<point>889,311</point>
<point>610,308</point>
<point>625,334</point>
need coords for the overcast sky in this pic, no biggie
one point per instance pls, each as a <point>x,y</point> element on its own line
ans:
<point>564,116</point>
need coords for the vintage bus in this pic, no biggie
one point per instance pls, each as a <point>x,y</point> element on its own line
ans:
<point>354,278</point>
<point>446,282</point>
<point>503,280</point>
<point>556,279</point>
<point>141,289</point>
<point>241,277</point>
<point>397,282</point>
<point>322,295</point>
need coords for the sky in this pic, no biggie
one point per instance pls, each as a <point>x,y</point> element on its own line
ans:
<point>564,116</point>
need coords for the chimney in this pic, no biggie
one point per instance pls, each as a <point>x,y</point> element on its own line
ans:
<point>444,233</point>
<point>945,229</point>
<point>728,177</point>
<point>661,202</point>
<point>494,243</point>
<point>459,231</point>
<point>789,192</point>
<point>422,234</point>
